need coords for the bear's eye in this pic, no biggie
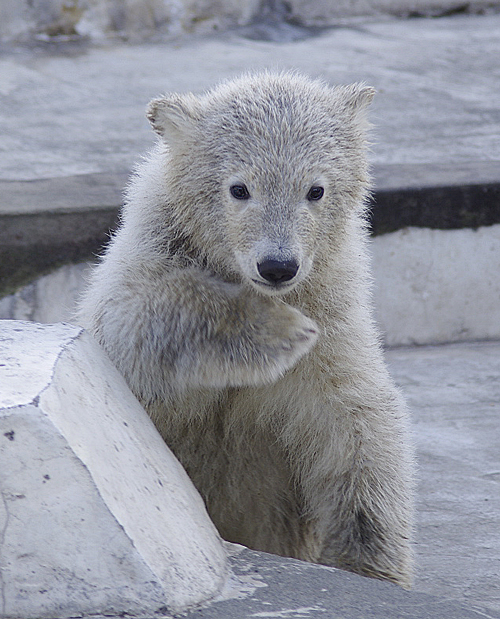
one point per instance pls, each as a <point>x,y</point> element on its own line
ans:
<point>315,193</point>
<point>240,192</point>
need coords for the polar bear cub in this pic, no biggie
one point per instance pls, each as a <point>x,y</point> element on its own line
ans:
<point>234,298</point>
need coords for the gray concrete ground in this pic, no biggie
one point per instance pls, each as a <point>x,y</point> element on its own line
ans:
<point>453,392</point>
<point>78,113</point>
<point>77,110</point>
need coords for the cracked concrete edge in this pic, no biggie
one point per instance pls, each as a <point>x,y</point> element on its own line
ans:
<point>39,365</point>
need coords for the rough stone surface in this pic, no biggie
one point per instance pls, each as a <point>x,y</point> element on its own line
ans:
<point>96,514</point>
<point>140,19</point>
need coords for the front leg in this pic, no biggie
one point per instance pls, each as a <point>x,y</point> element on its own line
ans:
<point>173,331</point>
<point>370,522</point>
<point>370,531</point>
<point>349,449</point>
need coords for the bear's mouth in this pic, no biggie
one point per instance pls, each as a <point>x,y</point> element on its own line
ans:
<point>278,287</point>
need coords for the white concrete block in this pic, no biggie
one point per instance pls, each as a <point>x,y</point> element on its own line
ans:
<point>96,514</point>
<point>436,286</point>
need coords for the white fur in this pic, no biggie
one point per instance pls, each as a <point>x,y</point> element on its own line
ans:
<point>276,400</point>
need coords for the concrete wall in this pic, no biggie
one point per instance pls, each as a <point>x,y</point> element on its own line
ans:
<point>137,19</point>
<point>430,287</point>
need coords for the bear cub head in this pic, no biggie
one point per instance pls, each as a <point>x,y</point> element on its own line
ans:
<point>267,168</point>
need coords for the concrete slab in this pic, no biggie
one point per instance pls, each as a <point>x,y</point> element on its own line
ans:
<point>96,514</point>
<point>437,286</point>
<point>453,393</point>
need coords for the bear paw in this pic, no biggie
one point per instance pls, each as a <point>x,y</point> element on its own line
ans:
<point>280,337</point>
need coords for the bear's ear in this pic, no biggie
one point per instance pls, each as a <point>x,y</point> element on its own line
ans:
<point>362,96</point>
<point>355,97</point>
<point>174,116</point>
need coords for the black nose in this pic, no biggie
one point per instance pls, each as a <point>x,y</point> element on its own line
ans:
<point>276,271</point>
